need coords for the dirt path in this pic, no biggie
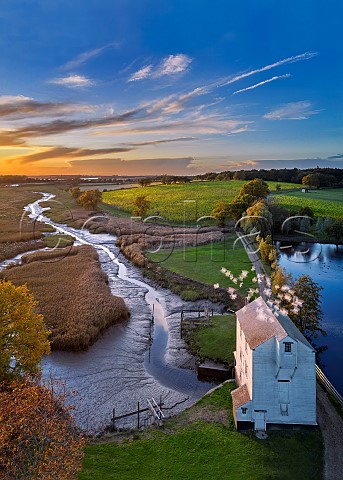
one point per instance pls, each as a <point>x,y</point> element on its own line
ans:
<point>331,425</point>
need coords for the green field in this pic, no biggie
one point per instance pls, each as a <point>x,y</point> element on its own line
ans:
<point>324,203</point>
<point>217,341</point>
<point>193,449</point>
<point>176,202</point>
<point>203,263</point>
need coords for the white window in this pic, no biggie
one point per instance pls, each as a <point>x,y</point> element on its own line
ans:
<point>288,347</point>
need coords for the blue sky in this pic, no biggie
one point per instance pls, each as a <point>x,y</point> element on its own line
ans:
<point>157,86</point>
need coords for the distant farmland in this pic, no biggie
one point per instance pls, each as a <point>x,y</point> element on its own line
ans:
<point>176,202</point>
<point>324,203</point>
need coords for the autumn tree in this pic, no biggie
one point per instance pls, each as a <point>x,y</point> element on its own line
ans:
<point>267,250</point>
<point>257,188</point>
<point>311,180</point>
<point>38,438</point>
<point>239,205</point>
<point>260,218</point>
<point>90,199</point>
<point>75,192</point>
<point>23,334</point>
<point>141,206</point>
<point>221,212</point>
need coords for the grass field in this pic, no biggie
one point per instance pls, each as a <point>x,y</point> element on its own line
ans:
<point>203,263</point>
<point>217,341</point>
<point>192,448</point>
<point>324,203</point>
<point>168,200</point>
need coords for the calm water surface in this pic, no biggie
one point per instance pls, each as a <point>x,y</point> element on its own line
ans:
<point>324,264</point>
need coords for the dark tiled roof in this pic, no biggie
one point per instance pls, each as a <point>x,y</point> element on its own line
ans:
<point>240,396</point>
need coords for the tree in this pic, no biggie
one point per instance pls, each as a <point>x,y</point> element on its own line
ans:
<point>75,192</point>
<point>334,232</point>
<point>38,437</point>
<point>221,212</point>
<point>144,182</point>
<point>267,250</point>
<point>141,204</point>
<point>263,221</point>
<point>90,199</point>
<point>309,318</point>
<point>23,334</point>
<point>311,180</point>
<point>239,205</point>
<point>257,187</point>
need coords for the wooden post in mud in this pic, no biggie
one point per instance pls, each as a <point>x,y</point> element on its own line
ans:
<point>113,420</point>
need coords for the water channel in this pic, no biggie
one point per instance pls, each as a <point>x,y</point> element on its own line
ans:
<point>124,367</point>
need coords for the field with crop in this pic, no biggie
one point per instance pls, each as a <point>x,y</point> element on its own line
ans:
<point>324,203</point>
<point>76,312</point>
<point>179,202</point>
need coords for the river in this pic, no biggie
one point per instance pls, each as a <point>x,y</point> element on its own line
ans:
<point>324,264</point>
<point>120,369</point>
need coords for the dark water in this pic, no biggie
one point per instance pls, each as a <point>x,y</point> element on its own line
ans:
<point>324,264</point>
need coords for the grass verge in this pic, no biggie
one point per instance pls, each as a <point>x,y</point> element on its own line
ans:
<point>216,342</point>
<point>198,444</point>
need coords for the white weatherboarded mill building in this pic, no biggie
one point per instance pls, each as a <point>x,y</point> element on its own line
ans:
<point>275,371</point>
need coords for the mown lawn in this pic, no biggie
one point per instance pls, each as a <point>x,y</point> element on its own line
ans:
<point>194,449</point>
<point>203,263</point>
<point>217,341</point>
<point>182,202</point>
<point>324,203</point>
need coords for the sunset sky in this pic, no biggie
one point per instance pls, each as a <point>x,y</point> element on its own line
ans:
<point>138,87</point>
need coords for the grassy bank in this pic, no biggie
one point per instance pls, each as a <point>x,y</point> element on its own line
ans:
<point>216,342</point>
<point>168,200</point>
<point>203,263</point>
<point>73,294</point>
<point>324,203</point>
<point>199,444</point>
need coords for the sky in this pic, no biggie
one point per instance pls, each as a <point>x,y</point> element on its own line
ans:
<point>147,87</point>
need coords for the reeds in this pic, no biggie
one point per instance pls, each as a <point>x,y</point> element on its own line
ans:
<point>73,295</point>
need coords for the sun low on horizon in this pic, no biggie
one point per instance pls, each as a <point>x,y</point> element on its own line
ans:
<point>178,87</point>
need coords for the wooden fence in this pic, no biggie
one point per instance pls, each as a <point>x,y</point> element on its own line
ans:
<point>328,385</point>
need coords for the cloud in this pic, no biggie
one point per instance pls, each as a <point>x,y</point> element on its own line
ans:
<point>171,65</point>
<point>85,56</point>
<point>252,87</point>
<point>338,155</point>
<point>296,58</point>
<point>141,74</point>
<point>73,81</point>
<point>158,142</point>
<point>59,152</point>
<point>292,111</point>
<point>144,166</point>
<point>19,107</point>
<point>301,163</point>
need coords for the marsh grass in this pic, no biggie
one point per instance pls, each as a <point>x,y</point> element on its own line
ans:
<point>73,295</point>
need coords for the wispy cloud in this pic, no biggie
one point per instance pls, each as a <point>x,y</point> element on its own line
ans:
<point>292,111</point>
<point>285,61</point>
<point>171,65</point>
<point>19,107</point>
<point>141,74</point>
<point>252,87</point>
<point>86,56</point>
<point>73,81</point>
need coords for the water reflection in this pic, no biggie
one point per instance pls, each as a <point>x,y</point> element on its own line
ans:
<point>324,264</point>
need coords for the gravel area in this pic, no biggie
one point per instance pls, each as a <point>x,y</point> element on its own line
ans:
<point>331,425</point>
